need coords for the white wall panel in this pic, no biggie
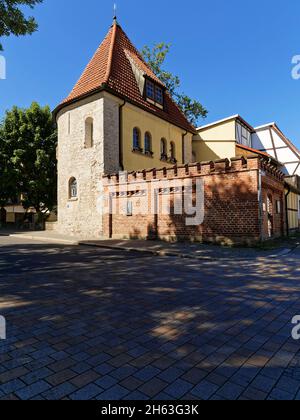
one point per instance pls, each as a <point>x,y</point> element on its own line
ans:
<point>262,140</point>
<point>286,155</point>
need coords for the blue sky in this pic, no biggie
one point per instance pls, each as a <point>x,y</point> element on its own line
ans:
<point>235,57</point>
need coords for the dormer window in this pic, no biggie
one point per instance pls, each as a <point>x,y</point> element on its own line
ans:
<point>159,96</point>
<point>150,90</point>
<point>154,93</point>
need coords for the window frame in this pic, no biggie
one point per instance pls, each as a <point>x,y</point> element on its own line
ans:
<point>89,133</point>
<point>150,83</point>
<point>72,188</point>
<point>136,147</point>
<point>158,88</point>
<point>163,149</point>
<point>156,99</point>
<point>148,137</point>
<point>173,152</point>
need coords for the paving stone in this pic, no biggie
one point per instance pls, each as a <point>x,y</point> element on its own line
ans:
<point>289,385</point>
<point>178,388</point>
<point>263,383</point>
<point>11,386</point>
<point>280,395</point>
<point>117,392</point>
<point>12,374</point>
<point>136,396</point>
<point>88,392</point>
<point>195,375</point>
<point>33,390</point>
<point>106,382</point>
<point>36,375</point>
<point>147,373</point>
<point>59,392</point>
<point>61,377</point>
<point>118,339</point>
<point>204,390</point>
<point>171,374</point>
<point>230,391</point>
<point>153,387</point>
<point>253,394</point>
<point>123,372</point>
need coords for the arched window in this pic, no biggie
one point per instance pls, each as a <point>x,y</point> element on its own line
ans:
<point>89,133</point>
<point>73,188</point>
<point>163,149</point>
<point>173,151</point>
<point>136,139</point>
<point>148,143</point>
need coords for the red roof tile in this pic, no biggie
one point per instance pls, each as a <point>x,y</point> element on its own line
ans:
<point>110,68</point>
<point>258,152</point>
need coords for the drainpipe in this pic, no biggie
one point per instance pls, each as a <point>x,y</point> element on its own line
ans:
<point>260,201</point>
<point>183,157</point>
<point>287,211</point>
<point>121,136</point>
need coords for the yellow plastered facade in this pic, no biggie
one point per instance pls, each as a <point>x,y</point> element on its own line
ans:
<point>293,212</point>
<point>215,142</point>
<point>134,117</point>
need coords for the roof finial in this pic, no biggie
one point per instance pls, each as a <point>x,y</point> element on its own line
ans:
<point>115,13</point>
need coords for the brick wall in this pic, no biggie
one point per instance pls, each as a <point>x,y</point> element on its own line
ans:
<point>233,205</point>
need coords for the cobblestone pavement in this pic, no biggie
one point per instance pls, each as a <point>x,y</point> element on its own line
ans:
<point>89,323</point>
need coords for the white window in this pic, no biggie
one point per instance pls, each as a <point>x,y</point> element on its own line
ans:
<point>136,139</point>
<point>148,143</point>
<point>243,135</point>
<point>73,190</point>
<point>163,149</point>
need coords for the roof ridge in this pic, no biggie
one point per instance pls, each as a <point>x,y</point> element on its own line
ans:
<point>111,53</point>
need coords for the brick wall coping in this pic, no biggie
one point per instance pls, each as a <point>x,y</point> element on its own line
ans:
<point>205,168</point>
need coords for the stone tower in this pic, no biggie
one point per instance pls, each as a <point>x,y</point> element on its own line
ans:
<point>92,134</point>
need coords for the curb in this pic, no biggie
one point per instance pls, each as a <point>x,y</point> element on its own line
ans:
<point>158,253</point>
<point>282,253</point>
<point>44,239</point>
<point>162,253</point>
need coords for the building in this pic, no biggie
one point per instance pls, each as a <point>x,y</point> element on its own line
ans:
<point>13,214</point>
<point>234,136</point>
<point>120,117</point>
<point>271,139</point>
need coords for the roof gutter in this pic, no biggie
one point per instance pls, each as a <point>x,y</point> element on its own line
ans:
<point>80,98</point>
<point>183,148</point>
<point>287,209</point>
<point>121,135</point>
<point>105,88</point>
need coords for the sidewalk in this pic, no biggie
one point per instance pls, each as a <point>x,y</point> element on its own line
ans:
<point>45,236</point>
<point>160,248</point>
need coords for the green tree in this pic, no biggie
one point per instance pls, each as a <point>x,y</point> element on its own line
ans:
<point>13,20</point>
<point>155,57</point>
<point>28,157</point>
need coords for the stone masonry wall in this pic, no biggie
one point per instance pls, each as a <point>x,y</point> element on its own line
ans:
<point>82,216</point>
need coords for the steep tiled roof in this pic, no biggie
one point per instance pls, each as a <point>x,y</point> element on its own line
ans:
<point>110,68</point>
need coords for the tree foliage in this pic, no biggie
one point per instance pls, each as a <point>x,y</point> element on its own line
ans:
<point>28,157</point>
<point>13,20</point>
<point>155,57</point>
